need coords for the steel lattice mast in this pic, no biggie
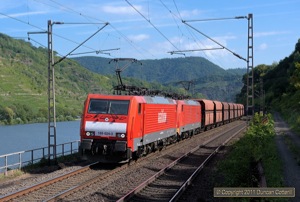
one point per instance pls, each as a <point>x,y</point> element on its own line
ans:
<point>250,71</point>
<point>51,98</point>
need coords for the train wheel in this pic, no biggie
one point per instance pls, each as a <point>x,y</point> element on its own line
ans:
<point>148,149</point>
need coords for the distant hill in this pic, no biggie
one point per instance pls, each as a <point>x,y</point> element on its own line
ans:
<point>24,84</point>
<point>209,79</point>
<point>237,71</point>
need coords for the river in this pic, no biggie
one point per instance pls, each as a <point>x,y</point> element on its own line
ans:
<point>17,138</point>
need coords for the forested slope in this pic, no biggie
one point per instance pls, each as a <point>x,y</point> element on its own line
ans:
<point>23,85</point>
<point>281,85</point>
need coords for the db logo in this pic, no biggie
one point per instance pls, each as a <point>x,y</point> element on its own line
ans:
<point>162,117</point>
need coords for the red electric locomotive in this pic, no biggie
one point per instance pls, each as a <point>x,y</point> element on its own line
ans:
<point>116,128</point>
<point>188,118</point>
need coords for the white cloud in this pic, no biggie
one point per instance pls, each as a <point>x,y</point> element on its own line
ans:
<point>262,46</point>
<point>121,9</point>
<point>138,38</point>
<point>264,34</point>
<point>189,13</point>
<point>24,14</point>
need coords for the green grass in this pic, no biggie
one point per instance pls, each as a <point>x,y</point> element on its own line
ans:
<point>11,175</point>
<point>44,162</point>
<point>258,145</point>
<point>40,166</point>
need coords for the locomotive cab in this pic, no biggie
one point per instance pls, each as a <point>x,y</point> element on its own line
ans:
<point>116,128</point>
<point>104,128</point>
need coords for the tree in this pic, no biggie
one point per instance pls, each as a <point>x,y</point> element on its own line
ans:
<point>295,77</point>
<point>6,115</point>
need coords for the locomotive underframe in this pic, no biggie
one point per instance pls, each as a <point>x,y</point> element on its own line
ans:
<point>106,150</point>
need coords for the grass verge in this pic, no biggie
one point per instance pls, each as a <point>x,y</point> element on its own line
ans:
<point>239,169</point>
<point>11,174</point>
<point>42,166</point>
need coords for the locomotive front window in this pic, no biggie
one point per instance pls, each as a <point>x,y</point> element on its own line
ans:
<point>119,107</point>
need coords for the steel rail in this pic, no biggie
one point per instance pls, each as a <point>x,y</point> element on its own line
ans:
<point>188,182</point>
<point>45,183</point>
<point>133,192</point>
<point>85,184</point>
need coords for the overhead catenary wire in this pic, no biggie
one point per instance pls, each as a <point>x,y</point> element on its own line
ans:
<point>173,16</point>
<point>235,54</point>
<point>200,44</point>
<point>193,37</point>
<point>202,49</point>
<point>182,52</point>
<point>82,43</point>
<point>217,19</point>
<point>43,30</point>
<point>97,52</point>
<point>93,18</point>
<point>89,18</point>
<point>210,19</point>
<point>177,9</point>
<point>152,25</point>
<point>21,21</point>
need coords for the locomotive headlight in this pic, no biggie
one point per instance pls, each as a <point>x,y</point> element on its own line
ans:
<point>121,135</point>
<point>90,133</point>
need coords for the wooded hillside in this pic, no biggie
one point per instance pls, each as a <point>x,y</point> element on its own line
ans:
<point>281,85</point>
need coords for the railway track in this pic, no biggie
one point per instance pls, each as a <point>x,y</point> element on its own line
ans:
<point>110,184</point>
<point>170,182</point>
<point>44,189</point>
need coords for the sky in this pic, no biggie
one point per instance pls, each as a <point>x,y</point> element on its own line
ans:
<point>155,29</point>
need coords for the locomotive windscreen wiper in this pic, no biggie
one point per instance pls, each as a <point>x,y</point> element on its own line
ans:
<point>111,111</point>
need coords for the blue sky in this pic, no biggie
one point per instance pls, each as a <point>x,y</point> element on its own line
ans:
<point>145,29</point>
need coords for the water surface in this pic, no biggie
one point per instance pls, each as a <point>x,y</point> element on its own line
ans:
<point>32,136</point>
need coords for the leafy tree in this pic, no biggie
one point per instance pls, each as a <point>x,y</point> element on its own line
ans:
<point>295,78</point>
<point>6,115</point>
